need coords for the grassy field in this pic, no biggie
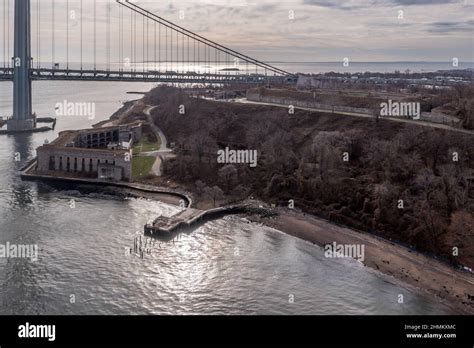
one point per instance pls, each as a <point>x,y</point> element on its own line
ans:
<point>145,145</point>
<point>141,166</point>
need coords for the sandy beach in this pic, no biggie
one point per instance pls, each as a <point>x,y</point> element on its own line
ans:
<point>451,286</point>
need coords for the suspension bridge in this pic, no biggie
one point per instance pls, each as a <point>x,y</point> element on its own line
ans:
<point>112,40</point>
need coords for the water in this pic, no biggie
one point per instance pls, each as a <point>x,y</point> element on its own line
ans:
<point>225,266</point>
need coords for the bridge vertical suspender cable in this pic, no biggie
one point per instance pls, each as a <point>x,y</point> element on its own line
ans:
<point>109,9</point>
<point>123,39</point>
<point>178,51</point>
<point>40,38</point>
<point>176,46</point>
<point>5,36</point>
<point>4,52</point>
<point>131,39</point>
<point>37,31</point>
<point>143,43</point>
<point>182,54</point>
<point>53,53</point>
<point>166,49</point>
<point>147,44</point>
<point>159,48</point>
<point>67,34</point>
<point>134,41</point>
<point>120,40</point>
<point>95,34</point>
<point>81,31</point>
<point>171,50</point>
<point>9,57</point>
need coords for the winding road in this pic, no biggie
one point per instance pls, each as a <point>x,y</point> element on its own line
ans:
<point>398,119</point>
<point>163,152</point>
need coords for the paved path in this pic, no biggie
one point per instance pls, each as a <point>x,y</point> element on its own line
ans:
<point>395,119</point>
<point>163,152</point>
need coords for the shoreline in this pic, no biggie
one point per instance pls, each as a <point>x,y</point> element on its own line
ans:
<point>451,286</point>
<point>169,195</point>
<point>408,266</point>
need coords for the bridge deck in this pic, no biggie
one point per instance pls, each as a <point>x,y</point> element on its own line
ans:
<point>147,76</point>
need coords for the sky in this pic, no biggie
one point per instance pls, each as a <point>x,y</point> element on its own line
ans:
<point>290,30</point>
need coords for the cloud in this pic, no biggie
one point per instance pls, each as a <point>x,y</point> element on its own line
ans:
<point>339,4</point>
<point>359,4</point>
<point>425,2</point>
<point>452,27</point>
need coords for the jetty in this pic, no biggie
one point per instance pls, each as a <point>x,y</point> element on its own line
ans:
<point>165,226</point>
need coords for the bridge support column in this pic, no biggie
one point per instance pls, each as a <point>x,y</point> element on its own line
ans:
<point>22,111</point>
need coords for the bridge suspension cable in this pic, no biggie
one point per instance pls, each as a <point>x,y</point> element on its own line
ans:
<point>207,43</point>
<point>99,40</point>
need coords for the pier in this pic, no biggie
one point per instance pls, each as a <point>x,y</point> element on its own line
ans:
<point>165,226</point>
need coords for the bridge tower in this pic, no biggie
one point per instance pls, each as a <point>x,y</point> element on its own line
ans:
<point>23,119</point>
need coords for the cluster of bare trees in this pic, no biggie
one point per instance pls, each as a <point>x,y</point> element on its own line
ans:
<point>404,182</point>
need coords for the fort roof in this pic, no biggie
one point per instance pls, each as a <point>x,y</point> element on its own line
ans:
<point>68,137</point>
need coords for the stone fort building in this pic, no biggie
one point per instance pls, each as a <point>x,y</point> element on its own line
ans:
<point>103,153</point>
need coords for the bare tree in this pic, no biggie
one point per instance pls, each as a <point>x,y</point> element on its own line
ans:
<point>214,193</point>
<point>228,176</point>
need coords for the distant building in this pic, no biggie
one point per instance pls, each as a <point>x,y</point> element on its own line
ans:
<point>103,153</point>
